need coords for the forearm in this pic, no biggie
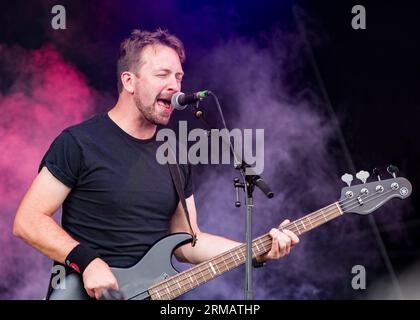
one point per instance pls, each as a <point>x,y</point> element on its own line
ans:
<point>44,234</point>
<point>207,247</point>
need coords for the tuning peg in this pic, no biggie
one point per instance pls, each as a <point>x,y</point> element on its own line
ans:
<point>393,170</point>
<point>362,175</point>
<point>377,172</point>
<point>347,178</point>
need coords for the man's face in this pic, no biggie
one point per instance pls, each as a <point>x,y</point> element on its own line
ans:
<point>158,79</point>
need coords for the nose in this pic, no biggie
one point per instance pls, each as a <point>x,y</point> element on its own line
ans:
<point>174,85</point>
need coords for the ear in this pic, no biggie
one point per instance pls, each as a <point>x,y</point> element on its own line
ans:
<point>127,79</point>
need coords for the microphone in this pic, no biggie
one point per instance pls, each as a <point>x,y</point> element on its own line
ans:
<point>180,100</point>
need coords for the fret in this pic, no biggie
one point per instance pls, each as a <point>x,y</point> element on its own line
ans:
<point>184,279</point>
<point>168,292</point>
<point>190,282</point>
<point>202,276</point>
<point>217,267</point>
<point>263,245</point>
<point>191,279</point>
<point>179,286</point>
<point>236,253</point>
<point>233,258</point>
<point>297,228</point>
<point>322,212</point>
<point>212,268</point>
<point>196,280</point>
<point>301,221</point>
<point>174,288</point>
<point>339,209</point>
<point>224,262</point>
<point>329,215</point>
<point>310,222</point>
<point>318,221</point>
<point>312,218</point>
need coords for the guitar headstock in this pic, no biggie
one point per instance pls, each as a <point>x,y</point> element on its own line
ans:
<point>367,197</point>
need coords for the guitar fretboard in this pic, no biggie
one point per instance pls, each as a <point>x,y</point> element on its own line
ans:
<point>189,279</point>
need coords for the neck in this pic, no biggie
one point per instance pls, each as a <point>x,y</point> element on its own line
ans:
<point>187,280</point>
<point>126,115</point>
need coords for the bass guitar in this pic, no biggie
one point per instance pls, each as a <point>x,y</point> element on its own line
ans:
<point>154,276</point>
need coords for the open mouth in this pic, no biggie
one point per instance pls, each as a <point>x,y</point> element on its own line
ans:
<point>164,103</point>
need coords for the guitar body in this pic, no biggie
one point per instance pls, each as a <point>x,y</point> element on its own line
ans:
<point>133,282</point>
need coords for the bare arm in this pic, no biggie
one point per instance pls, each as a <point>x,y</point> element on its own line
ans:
<point>209,245</point>
<point>35,225</point>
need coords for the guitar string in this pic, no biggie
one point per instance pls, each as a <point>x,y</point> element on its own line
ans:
<point>228,261</point>
<point>319,213</point>
<point>187,276</point>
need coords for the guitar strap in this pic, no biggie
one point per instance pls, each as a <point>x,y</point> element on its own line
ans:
<point>179,182</point>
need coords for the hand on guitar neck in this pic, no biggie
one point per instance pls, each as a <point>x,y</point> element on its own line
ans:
<point>282,242</point>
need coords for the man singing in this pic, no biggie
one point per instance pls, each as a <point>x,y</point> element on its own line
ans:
<point>116,199</point>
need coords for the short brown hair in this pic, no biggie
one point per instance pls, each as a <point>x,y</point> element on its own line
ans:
<point>131,48</point>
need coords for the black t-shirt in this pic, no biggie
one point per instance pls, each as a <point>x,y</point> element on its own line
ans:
<point>122,199</point>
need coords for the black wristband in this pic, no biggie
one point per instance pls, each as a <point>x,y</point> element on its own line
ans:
<point>257,264</point>
<point>80,257</point>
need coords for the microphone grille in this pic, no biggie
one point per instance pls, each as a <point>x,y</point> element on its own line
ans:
<point>175,103</point>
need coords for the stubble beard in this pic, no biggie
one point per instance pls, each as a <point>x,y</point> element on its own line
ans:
<point>149,112</point>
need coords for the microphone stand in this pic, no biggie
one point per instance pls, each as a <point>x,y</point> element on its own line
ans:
<point>248,184</point>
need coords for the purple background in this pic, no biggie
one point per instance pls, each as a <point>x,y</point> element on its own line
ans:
<point>254,56</point>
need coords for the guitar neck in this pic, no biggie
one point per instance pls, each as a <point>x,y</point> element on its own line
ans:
<point>189,279</point>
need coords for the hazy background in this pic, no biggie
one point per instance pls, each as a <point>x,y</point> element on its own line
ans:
<point>294,68</point>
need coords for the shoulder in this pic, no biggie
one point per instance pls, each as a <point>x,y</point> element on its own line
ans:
<point>90,124</point>
<point>87,129</point>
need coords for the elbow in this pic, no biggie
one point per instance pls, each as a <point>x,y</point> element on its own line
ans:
<point>179,255</point>
<point>17,228</point>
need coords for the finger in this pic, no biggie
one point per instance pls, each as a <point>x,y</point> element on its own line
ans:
<point>115,285</point>
<point>293,236</point>
<point>287,221</point>
<point>98,293</point>
<point>274,251</point>
<point>289,246</point>
<point>90,293</point>
<point>286,243</point>
<point>282,245</point>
